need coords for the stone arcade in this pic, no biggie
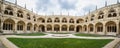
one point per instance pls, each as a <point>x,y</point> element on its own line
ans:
<point>16,19</point>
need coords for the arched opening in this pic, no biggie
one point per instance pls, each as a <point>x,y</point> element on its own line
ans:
<point>99,27</point>
<point>79,28</point>
<point>49,20</point>
<point>34,18</point>
<point>8,11</point>
<point>101,15</point>
<point>80,21</point>
<point>64,20</point>
<point>111,26</point>
<point>29,27</point>
<point>90,27</point>
<point>20,13</point>
<point>71,28</point>
<point>20,26</point>
<point>92,17</point>
<point>71,21</point>
<point>57,20</point>
<point>9,24</point>
<point>49,27</point>
<point>56,28</point>
<point>41,28</point>
<point>28,17</point>
<point>85,28</point>
<point>41,20</point>
<point>35,27</point>
<point>64,27</point>
<point>112,13</point>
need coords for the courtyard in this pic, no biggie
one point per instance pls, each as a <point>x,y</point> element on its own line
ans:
<point>59,40</point>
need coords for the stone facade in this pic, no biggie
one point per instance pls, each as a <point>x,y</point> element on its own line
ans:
<point>16,19</point>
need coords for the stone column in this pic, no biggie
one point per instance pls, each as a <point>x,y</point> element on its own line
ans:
<point>45,29</point>
<point>68,29</point>
<point>75,29</point>
<point>25,28</point>
<point>1,27</point>
<point>60,28</point>
<point>94,29</point>
<point>117,25</point>
<point>32,29</point>
<point>87,29</point>
<point>104,29</point>
<point>52,28</point>
<point>15,28</point>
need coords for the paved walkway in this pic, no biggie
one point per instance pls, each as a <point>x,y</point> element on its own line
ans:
<point>59,36</point>
<point>1,45</point>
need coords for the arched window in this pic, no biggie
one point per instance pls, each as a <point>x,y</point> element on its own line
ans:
<point>64,20</point>
<point>92,17</point>
<point>56,20</point>
<point>71,21</point>
<point>79,21</point>
<point>20,14</point>
<point>28,17</point>
<point>49,20</point>
<point>34,18</point>
<point>100,15</point>
<point>41,20</point>
<point>112,13</point>
<point>8,11</point>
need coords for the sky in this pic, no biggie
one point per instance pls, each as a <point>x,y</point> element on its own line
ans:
<point>63,7</point>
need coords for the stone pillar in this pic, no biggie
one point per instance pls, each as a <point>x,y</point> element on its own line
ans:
<point>87,29</point>
<point>117,25</point>
<point>32,29</point>
<point>60,28</point>
<point>37,29</point>
<point>45,29</point>
<point>1,27</point>
<point>75,29</point>
<point>25,28</point>
<point>94,29</point>
<point>15,28</point>
<point>68,29</point>
<point>104,29</point>
<point>53,28</point>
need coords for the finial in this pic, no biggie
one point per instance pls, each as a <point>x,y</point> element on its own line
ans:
<point>68,13</point>
<point>118,2</point>
<point>15,2</point>
<point>105,3</point>
<point>89,11</point>
<point>25,5</point>
<point>96,7</point>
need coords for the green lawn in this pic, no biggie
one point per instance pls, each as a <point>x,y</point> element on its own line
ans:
<point>59,43</point>
<point>88,35</point>
<point>33,34</point>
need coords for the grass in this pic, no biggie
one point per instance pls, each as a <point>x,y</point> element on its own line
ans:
<point>59,43</point>
<point>87,35</point>
<point>33,34</point>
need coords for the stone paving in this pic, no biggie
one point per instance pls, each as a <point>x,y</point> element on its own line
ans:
<point>1,45</point>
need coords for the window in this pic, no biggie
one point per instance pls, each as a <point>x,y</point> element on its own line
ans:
<point>8,11</point>
<point>20,14</point>
<point>112,13</point>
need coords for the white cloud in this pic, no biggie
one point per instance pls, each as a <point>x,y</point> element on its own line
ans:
<point>50,6</point>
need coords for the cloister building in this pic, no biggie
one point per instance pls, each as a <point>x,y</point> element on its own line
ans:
<point>17,19</point>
